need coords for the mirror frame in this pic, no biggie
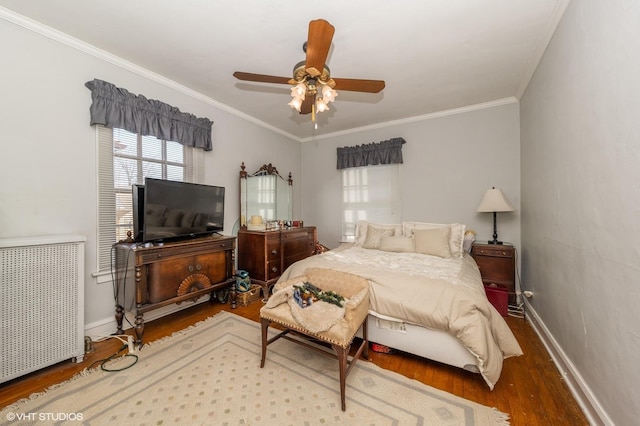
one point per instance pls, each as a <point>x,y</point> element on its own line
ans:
<point>265,170</point>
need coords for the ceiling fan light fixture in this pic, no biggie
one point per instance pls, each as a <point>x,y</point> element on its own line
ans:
<point>299,91</point>
<point>322,105</point>
<point>328,94</point>
<point>295,103</point>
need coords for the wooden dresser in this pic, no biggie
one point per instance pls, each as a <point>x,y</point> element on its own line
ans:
<point>497,263</point>
<point>266,254</point>
<point>159,275</point>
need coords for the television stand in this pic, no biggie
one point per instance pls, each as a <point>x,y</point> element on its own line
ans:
<point>149,278</point>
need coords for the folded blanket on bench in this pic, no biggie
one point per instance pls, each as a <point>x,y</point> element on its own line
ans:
<point>317,317</point>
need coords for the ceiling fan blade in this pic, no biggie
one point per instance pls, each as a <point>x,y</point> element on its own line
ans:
<point>307,104</point>
<point>318,44</point>
<point>357,85</point>
<point>261,78</point>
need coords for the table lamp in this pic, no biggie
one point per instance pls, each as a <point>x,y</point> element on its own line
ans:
<point>494,201</point>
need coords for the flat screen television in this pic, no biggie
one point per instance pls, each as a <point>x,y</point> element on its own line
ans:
<point>175,210</point>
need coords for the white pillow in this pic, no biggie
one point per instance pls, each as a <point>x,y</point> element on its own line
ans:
<point>397,244</point>
<point>434,242</point>
<point>363,225</point>
<point>374,236</point>
<point>456,239</point>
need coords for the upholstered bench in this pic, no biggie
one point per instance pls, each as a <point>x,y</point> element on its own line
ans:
<point>339,331</point>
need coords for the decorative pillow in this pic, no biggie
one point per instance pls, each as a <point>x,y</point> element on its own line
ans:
<point>374,235</point>
<point>434,242</point>
<point>363,225</point>
<point>397,244</point>
<point>456,240</point>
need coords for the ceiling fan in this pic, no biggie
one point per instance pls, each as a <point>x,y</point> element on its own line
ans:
<point>313,88</point>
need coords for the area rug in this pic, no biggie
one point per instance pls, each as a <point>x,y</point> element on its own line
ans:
<point>210,374</point>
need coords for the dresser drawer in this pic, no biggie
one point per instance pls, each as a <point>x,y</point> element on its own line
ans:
<point>493,251</point>
<point>165,278</point>
<point>273,250</point>
<point>273,269</point>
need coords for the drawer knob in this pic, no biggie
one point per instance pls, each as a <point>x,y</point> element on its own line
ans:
<point>274,251</point>
<point>190,268</point>
<point>274,269</point>
<point>198,267</point>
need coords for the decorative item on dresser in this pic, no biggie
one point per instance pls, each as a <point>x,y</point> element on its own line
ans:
<point>497,265</point>
<point>172,272</point>
<point>266,254</point>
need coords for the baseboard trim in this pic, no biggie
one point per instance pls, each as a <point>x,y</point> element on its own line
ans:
<point>593,410</point>
<point>108,326</point>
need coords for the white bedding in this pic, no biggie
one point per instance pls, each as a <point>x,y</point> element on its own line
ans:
<point>437,293</point>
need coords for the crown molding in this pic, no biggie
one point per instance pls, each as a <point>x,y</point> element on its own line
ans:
<point>414,119</point>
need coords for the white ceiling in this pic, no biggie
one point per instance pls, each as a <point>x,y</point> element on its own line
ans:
<point>434,55</point>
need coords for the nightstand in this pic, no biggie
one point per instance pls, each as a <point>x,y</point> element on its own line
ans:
<point>497,263</point>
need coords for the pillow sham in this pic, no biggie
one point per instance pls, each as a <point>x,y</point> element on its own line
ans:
<point>434,242</point>
<point>362,226</point>
<point>456,239</point>
<point>397,244</point>
<point>374,236</point>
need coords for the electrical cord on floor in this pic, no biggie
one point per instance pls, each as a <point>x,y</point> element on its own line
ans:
<point>516,311</point>
<point>103,362</point>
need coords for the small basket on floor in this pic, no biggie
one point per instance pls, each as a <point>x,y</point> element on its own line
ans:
<point>247,297</point>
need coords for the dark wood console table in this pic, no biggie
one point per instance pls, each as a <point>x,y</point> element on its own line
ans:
<point>152,277</point>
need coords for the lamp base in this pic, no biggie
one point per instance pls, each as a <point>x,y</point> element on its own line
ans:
<point>494,242</point>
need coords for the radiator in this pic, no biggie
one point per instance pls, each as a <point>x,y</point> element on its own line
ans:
<point>41,303</point>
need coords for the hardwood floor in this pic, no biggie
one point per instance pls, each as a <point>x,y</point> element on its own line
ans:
<point>530,390</point>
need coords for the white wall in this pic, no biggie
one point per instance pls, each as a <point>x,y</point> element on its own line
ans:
<point>449,162</point>
<point>48,153</point>
<point>581,200</point>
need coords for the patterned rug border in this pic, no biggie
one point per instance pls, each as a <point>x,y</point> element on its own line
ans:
<point>190,333</point>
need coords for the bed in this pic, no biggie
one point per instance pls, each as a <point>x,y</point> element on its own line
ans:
<point>426,294</point>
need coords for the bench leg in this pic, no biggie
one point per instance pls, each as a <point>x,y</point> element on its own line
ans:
<point>342,353</point>
<point>265,326</point>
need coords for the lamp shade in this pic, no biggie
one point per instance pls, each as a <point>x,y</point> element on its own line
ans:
<point>494,201</point>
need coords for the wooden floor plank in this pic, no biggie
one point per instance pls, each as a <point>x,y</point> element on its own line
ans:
<point>531,389</point>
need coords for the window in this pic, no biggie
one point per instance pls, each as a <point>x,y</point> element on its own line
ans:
<point>125,158</point>
<point>369,193</point>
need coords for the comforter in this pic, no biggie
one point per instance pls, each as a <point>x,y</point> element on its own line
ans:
<point>429,291</point>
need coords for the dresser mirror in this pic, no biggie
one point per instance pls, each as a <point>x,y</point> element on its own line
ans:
<point>265,194</point>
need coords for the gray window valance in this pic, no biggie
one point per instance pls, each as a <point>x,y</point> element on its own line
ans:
<point>112,106</point>
<point>385,152</point>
